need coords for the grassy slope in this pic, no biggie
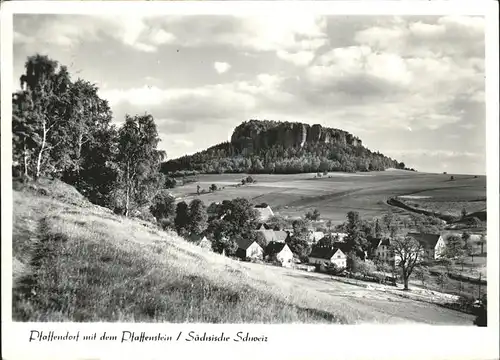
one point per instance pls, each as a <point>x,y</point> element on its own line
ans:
<point>82,263</point>
<point>77,262</point>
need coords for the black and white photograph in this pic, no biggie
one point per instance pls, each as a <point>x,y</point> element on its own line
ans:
<point>304,168</point>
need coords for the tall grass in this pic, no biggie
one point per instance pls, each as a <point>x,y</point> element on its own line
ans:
<point>79,264</point>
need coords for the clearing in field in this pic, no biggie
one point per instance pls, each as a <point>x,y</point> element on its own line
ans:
<point>338,193</point>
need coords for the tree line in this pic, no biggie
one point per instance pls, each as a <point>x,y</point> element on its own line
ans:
<point>276,159</point>
<point>63,129</point>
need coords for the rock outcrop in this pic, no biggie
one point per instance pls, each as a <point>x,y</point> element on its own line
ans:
<point>254,135</point>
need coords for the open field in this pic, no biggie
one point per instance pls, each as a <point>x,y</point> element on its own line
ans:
<point>78,262</point>
<point>338,193</point>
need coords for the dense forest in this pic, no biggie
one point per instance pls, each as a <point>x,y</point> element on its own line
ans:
<point>284,148</point>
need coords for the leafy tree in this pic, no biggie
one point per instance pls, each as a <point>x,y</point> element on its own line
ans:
<point>198,188</point>
<point>138,158</point>
<point>464,213</point>
<point>366,268</point>
<point>223,238</point>
<point>39,121</point>
<point>259,238</point>
<point>298,243</point>
<point>355,239</point>
<point>454,248</point>
<point>314,215</point>
<point>300,247</point>
<point>481,242</point>
<point>407,252</point>
<point>277,222</point>
<point>213,187</point>
<point>422,273</point>
<point>442,279</point>
<point>197,217</point>
<point>378,229</point>
<point>353,262</point>
<point>329,225</point>
<point>163,206</point>
<point>469,250</point>
<point>170,183</point>
<point>388,221</point>
<point>182,218</point>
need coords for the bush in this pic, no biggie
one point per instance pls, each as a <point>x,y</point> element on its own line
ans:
<point>170,183</point>
<point>213,187</point>
<point>166,224</point>
<point>163,205</point>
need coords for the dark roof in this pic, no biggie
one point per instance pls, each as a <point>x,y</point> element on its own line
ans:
<point>427,240</point>
<point>374,242</point>
<point>263,225</point>
<point>274,247</point>
<point>274,235</point>
<point>321,252</point>
<point>196,237</point>
<point>385,241</point>
<point>244,243</point>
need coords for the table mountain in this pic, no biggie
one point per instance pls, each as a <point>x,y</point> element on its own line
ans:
<point>266,146</point>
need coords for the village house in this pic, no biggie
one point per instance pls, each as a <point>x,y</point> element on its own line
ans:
<point>338,236</point>
<point>315,236</point>
<point>279,251</point>
<point>200,240</point>
<point>263,226</point>
<point>433,244</point>
<point>380,248</point>
<point>274,235</point>
<point>264,212</point>
<point>248,249</point>
<point>334,255</point>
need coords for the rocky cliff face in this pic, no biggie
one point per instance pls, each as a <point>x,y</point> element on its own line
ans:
<point>254,135</point>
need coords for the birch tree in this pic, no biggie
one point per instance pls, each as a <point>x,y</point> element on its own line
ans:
<point>137,158</point>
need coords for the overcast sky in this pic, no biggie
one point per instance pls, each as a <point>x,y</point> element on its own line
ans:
<point>409,87</point>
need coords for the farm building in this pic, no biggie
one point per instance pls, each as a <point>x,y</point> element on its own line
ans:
<point>281,252</point>
<point>382,250</point>
<point>338,236</point>
<point>274,235</point>
<point>200,240</point>
<point>315,236</point>
<point>264,212</point>
<point>263,226</point>
<point>433,244</point>
<point>248,249</point>
<point>333,255</point>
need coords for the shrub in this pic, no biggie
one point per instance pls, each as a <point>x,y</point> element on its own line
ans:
<point>170,183</point>
<point>163,205</point>
<point>213,187</point>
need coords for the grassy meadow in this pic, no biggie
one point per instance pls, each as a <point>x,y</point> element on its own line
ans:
<point>73,261</point>
<point>338,193</point>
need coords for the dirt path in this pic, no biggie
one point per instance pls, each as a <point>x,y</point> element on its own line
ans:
<point>370,304</point>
